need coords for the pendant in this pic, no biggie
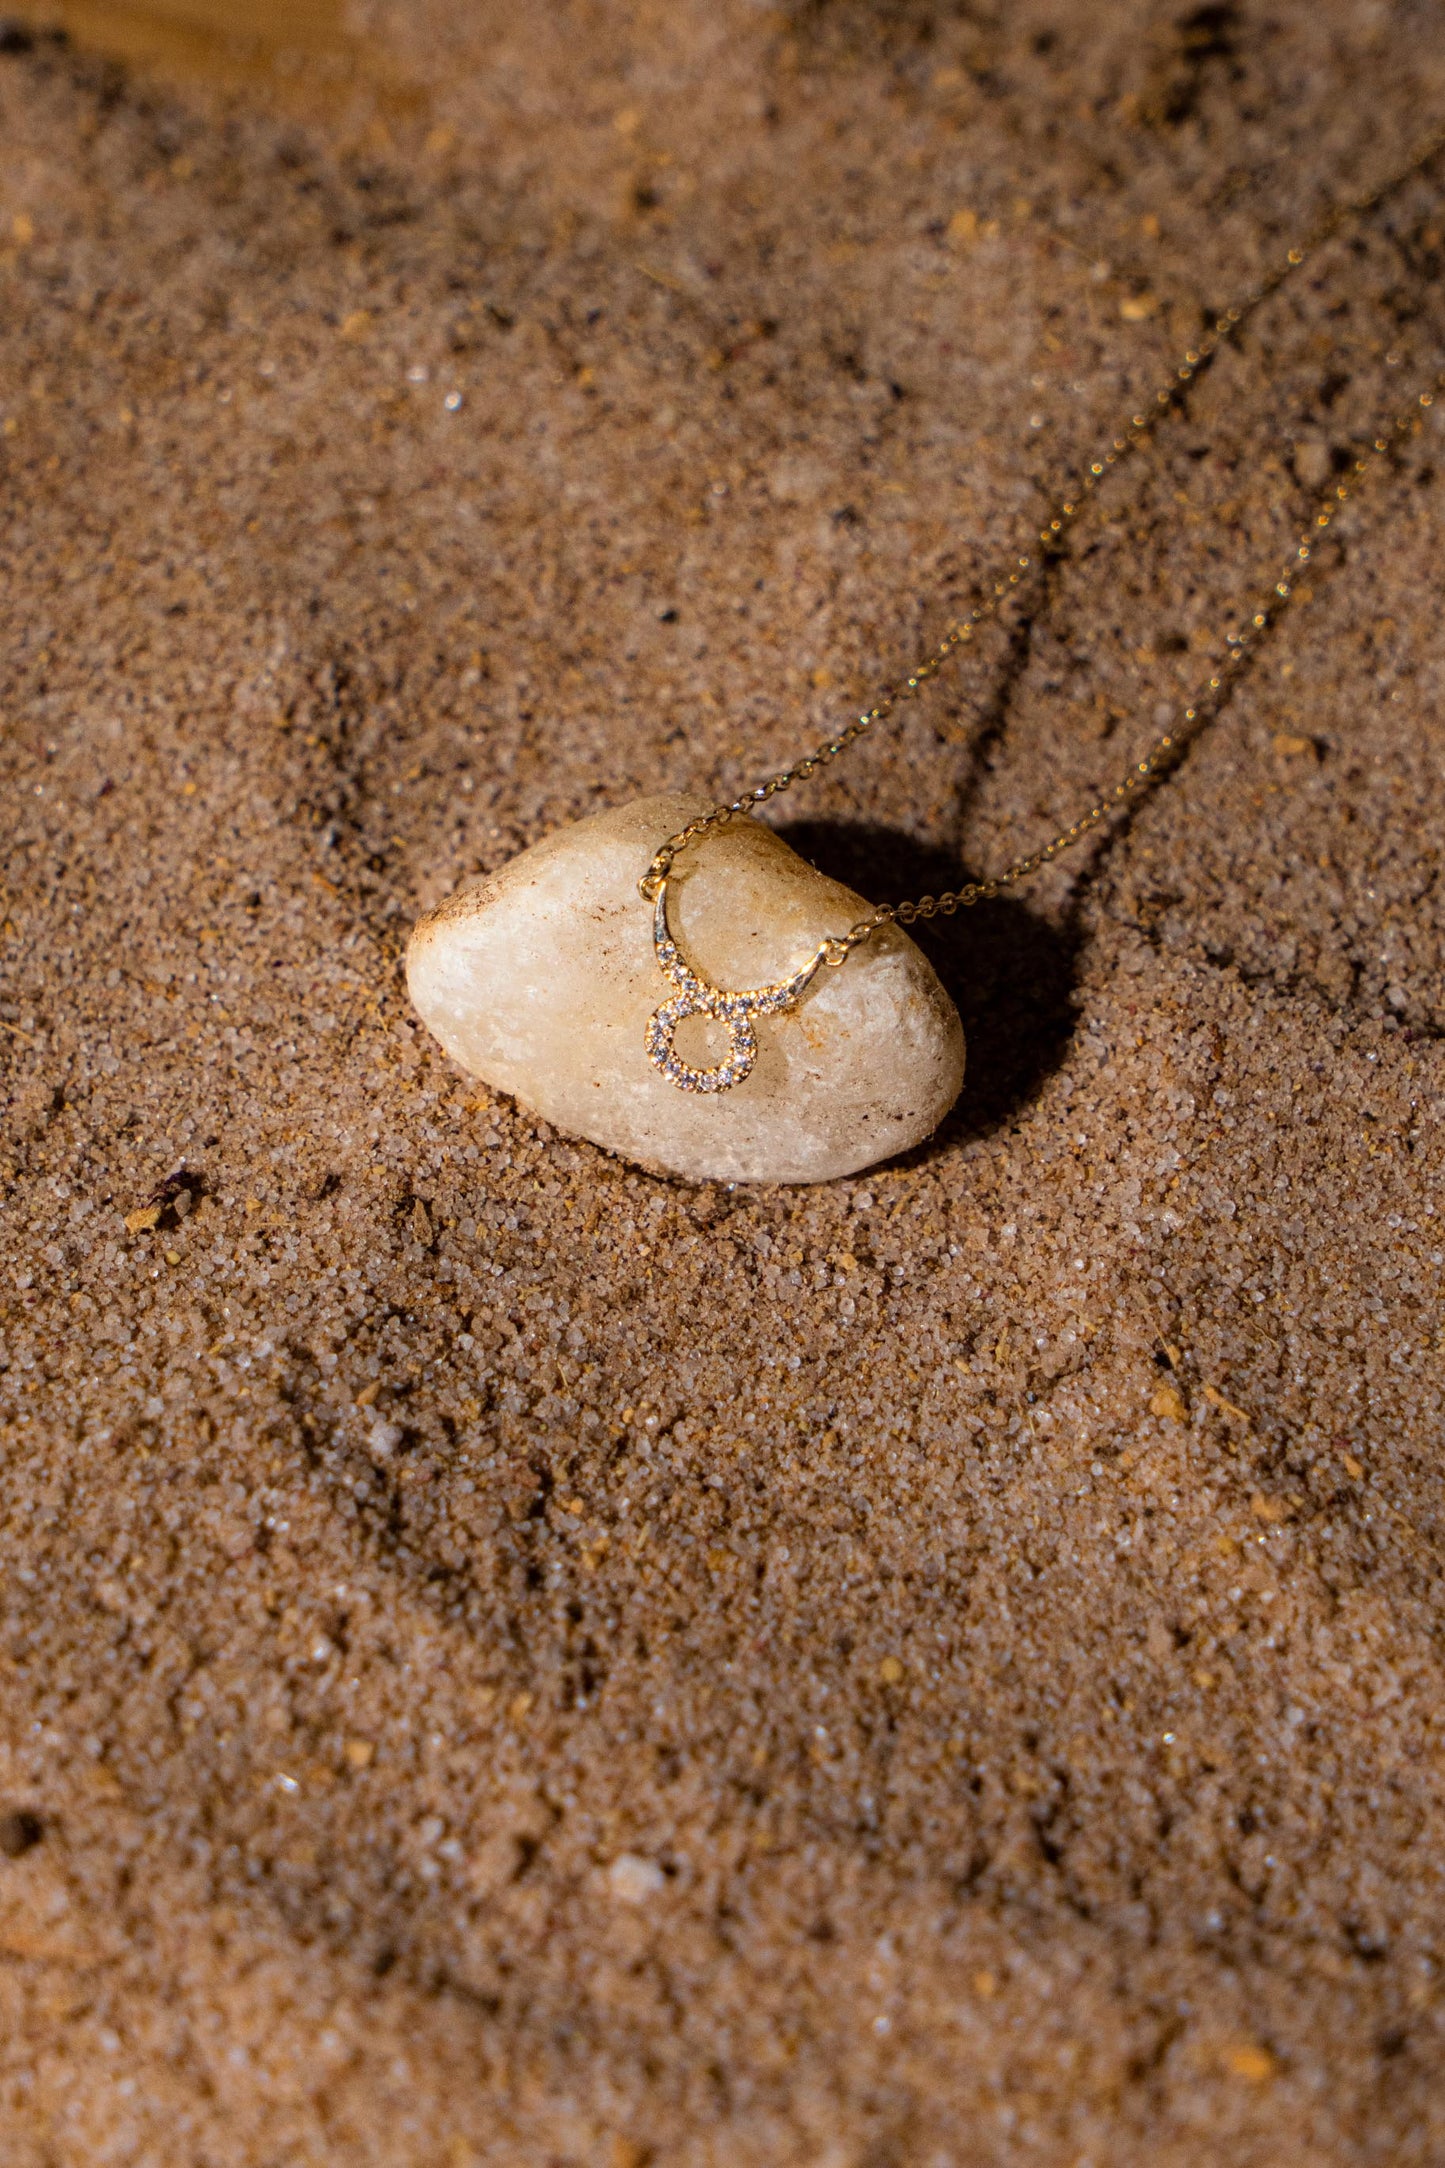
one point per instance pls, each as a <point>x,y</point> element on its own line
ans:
<point>734,1011</point>
<point>540,979</point>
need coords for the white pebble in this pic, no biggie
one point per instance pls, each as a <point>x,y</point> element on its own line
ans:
<point>540,978</point>
<point>632,1879</point>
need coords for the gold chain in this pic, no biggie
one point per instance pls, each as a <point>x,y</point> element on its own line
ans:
<point>1015,575</point>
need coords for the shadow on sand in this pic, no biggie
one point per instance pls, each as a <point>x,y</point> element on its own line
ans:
<point>1009,973</point>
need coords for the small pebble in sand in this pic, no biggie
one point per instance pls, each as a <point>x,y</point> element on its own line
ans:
<point>1249,2061</point>
<point>541,979</point>
<point>632,1879</point>
<point>1312,462</point>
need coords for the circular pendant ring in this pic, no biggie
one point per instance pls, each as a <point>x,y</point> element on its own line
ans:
<point>662,1052</point>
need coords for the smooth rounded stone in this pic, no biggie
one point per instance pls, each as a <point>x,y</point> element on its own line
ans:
<point>541,978</point>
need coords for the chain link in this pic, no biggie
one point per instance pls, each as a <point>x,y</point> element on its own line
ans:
<point>1017,574</point>
<point>1164,751</point>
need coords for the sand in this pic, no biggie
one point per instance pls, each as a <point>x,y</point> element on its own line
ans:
<point>508,1660</point>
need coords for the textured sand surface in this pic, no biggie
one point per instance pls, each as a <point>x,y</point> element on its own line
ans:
<point>510,1661</point>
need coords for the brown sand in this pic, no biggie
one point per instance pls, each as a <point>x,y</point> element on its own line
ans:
<point>509,1661</point>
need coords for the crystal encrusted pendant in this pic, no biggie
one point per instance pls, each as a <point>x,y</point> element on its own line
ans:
<point>734,1011</point>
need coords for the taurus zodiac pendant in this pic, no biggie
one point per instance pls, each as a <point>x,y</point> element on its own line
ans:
<point>734,1011</point>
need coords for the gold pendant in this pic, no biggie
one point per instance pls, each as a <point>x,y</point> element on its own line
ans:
<point>734,1011</point>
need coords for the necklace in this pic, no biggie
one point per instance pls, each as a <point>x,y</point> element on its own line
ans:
<point>738,1011</point>
<point>541,978</point>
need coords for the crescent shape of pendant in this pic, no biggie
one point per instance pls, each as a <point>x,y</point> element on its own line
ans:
<point>734,1011</point>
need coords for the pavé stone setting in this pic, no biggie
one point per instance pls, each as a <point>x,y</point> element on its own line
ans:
<point>734,1011</point>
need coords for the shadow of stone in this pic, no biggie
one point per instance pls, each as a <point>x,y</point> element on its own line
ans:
<point>1010,973</point>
